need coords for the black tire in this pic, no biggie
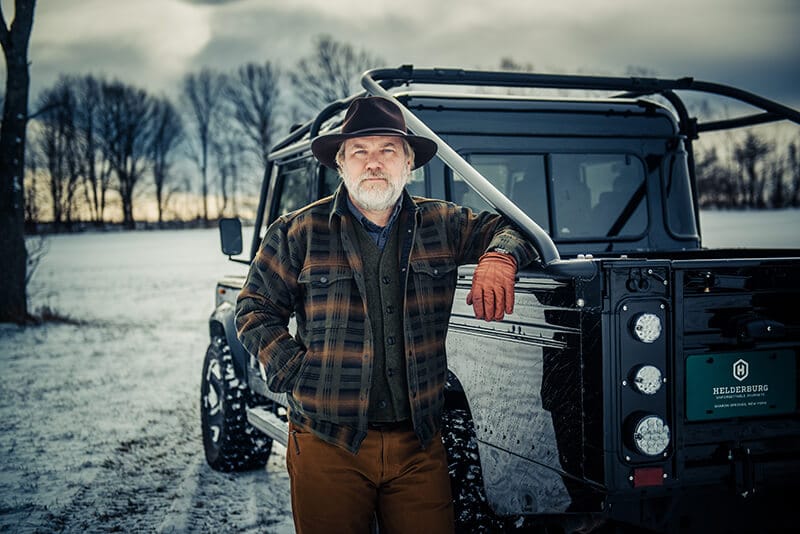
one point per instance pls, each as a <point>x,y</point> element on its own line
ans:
<point>230,442</point>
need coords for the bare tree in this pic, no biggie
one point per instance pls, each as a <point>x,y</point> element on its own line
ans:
<point>749,155</point>
<point>33,202</point>
<point>126,137</point>
<point>97,169</point>
<point>253,95</point>
<point>60,146</point>
<point>167,135</point>
<point>228,154</point>
<point>202,97</point>
<point>509,64</point>
<point>778,192</point>
<point>794,172</point>
<point>716,183</point>
<point>331,72</point>
<point>13,254</point>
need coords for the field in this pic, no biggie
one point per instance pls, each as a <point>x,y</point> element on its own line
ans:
<point>99,421</point>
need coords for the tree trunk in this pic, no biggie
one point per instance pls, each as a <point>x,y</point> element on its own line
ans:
<point>13,255</point>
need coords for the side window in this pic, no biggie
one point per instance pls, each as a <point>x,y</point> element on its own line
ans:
<point>598,195</point>
<point>416,184</point>
<point>521,177</point>
<point>292,187</point>
<point>330,181</point>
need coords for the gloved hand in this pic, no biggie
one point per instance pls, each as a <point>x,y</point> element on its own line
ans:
<point>492,293</point>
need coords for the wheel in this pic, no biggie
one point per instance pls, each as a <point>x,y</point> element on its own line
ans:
<point>230,442</point>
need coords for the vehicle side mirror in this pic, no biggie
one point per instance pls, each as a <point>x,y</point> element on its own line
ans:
<point>230,233</point>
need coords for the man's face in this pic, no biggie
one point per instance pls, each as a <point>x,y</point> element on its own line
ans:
<point>375,169</point>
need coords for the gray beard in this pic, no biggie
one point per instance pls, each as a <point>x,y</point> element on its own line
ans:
<point>375,200</point>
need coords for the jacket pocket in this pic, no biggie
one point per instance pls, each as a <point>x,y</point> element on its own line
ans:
<point>328,293</point>
<point>434,281</point>
<point>434,267</point>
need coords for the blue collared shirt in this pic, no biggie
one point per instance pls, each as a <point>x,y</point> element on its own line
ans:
<point>379,234</point>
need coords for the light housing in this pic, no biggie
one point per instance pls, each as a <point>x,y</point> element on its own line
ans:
<point>650,435</point>
<point>646,379</point>
<point>646,327</point>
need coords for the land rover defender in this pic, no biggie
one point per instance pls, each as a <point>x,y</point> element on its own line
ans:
<point>643,382</point>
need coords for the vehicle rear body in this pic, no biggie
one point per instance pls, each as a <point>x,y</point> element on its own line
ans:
<point>552,392</point>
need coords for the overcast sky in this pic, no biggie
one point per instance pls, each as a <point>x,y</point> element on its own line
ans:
<point>753,44</point>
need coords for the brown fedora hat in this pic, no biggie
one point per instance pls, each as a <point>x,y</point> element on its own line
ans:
<point>367,116</point>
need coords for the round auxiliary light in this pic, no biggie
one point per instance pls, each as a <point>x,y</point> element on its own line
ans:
<point>651,435</point>
<point>647,327</point>
<point>647,379</point>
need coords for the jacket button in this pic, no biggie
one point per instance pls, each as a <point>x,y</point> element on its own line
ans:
<point>390,340</point>
<point>382,404</point>
<point>386,280</point>
<point>436,271</point>
<point>324,279</point>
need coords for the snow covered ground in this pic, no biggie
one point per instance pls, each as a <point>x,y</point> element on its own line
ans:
<point>761,229</point>
<point>99,420</point>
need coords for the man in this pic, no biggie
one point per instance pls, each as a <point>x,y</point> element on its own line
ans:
<point>370,275</point>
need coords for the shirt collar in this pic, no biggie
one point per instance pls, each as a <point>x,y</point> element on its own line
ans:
<point>369,225</point>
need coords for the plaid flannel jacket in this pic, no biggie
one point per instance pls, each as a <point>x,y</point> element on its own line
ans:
<point>309,265</point>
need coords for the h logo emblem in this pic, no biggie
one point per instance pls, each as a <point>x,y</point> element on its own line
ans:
<point>741,369</point>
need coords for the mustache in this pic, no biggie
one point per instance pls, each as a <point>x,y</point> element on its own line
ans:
<point>373,174</point>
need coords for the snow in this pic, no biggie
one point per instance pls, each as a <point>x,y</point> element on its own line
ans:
<point>751,229</point>
<point>99,420</point>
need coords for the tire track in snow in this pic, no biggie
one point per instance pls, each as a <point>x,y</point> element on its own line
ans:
<point>251,502</point>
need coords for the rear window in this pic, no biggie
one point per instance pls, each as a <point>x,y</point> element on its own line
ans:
<point>598,195</point>
<point>593,196</point>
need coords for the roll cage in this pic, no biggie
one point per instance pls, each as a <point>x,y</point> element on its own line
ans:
<point>379,82</point>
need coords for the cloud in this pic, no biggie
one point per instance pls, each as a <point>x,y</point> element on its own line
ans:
<point>146,42</point>
<point>154,42</point>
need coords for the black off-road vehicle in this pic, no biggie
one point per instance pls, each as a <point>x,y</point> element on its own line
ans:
<point>642,383</point>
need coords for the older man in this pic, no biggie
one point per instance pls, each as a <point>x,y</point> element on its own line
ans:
<point>370,275</point>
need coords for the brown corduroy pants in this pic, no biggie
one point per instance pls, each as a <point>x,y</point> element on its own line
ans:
<point>335,491</point>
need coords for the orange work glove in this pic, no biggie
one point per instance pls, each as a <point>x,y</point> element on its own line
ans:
<point>492,293</point>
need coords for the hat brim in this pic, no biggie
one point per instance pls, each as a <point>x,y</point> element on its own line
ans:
<point>325,147</point>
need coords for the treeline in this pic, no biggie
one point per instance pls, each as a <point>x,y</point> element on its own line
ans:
<point>754,172</point>
<point>98,148</point>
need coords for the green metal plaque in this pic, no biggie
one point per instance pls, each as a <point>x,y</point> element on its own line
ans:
<point>740,384</point>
